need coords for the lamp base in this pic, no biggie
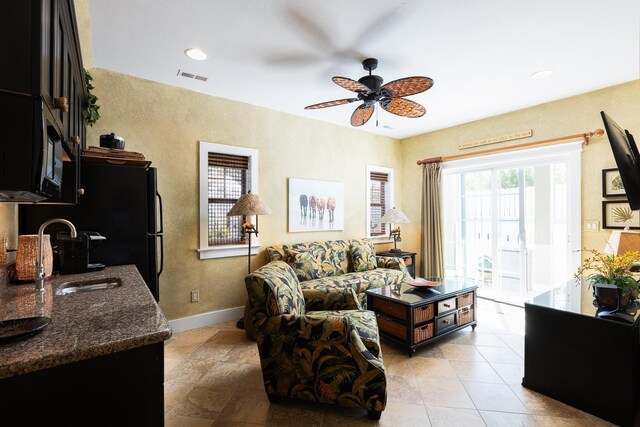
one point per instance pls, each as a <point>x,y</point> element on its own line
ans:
<point>397,251</point>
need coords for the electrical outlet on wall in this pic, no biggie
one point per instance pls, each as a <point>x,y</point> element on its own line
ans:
<point>592,225</point>
<point>195,296</point>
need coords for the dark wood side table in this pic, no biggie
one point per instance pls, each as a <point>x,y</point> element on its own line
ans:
<point>414,317</point>
<point>582,360</point>
<point>409,259</point>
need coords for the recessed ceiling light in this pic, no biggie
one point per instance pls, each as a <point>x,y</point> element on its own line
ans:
<point>195,53</point>
<point>541,74</point>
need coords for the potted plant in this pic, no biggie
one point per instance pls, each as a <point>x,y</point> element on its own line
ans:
<point>611,269</point>
<point>92,114</point>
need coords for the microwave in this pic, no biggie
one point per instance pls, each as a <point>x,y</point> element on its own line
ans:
<point>31,153</point>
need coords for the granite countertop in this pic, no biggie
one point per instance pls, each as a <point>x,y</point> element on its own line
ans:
<point>83,325</point>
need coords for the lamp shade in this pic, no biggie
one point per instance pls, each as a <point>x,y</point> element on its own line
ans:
<point>394,216</point>
<point>622,241</point>
<point>249,204</point>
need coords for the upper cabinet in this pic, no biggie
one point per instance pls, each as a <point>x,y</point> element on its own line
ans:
<point>42,98</point>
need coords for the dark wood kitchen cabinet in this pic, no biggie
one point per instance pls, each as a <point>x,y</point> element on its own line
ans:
<point>43,63</point>
<point>123,388</point>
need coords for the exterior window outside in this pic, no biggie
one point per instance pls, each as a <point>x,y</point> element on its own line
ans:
<point>380,188</point>
<point>227,181</point>
<point>226,173</point>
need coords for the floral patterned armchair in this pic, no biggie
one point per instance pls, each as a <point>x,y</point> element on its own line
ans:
<point>326,356</point>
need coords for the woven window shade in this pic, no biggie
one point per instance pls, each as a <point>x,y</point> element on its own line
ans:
<point>378,207</point>
<point>228,160</point>
<point>228,178</point>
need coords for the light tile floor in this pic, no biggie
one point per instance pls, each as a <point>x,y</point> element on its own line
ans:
<point>470,378</point>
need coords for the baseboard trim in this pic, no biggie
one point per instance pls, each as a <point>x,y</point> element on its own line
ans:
<point>206,319</point>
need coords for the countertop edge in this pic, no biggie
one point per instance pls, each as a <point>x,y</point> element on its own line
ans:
<point>84,325</point>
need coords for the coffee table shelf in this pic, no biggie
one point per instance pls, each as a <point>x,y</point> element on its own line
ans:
<point>413,317</point>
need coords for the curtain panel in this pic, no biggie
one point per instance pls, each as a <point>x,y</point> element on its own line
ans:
<point>431,238</point>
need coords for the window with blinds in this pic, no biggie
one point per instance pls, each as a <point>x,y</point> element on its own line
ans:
<point>378,202</point>
<point>228,178</point>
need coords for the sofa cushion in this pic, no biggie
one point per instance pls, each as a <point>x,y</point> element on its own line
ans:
<point>303,263</point>
<point>276,253</point>
<point>358,281</point>
<point>363,255</point>
<point>324,259</point>
<point>332,298</point>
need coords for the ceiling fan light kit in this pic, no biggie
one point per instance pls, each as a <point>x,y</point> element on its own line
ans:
<point>370,90</point>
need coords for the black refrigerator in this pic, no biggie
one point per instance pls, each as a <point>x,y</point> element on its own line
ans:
<point>121,203</point>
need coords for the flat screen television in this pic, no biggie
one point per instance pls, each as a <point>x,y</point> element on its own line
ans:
<point>627,159</point>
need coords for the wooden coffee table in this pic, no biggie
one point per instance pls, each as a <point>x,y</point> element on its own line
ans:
<point>413,317</point>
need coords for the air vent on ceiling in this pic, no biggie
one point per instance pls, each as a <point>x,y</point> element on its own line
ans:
<point>192,76</point>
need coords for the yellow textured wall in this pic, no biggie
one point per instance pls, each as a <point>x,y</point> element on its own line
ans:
<point>567,116</point>
<point>84,31</point>
<point>166,123</point>
<point>9,226</point>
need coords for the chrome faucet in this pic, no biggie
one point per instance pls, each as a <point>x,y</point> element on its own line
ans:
<point>40,275</point>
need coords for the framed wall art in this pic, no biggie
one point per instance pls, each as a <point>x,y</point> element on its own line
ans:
<point>315,205</point>
<point>618,215</point>
<point>612,183</point>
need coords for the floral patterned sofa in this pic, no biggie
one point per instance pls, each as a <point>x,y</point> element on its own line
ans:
<point>337,264</point>
<point>325,356</point>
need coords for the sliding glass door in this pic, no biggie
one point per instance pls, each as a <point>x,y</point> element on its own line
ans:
<point>512,223</point>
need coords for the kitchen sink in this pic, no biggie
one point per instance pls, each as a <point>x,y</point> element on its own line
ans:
<point>88,285</point>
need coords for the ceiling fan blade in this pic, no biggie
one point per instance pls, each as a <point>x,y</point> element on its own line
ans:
<point>408,86</point>
<point>361,115</point>
<point>349,84</point>
<point>403,107</point>
<point>330,103</point>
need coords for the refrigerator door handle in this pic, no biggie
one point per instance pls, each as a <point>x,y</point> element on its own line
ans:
<point>160,206</point>
<point>161,254</point>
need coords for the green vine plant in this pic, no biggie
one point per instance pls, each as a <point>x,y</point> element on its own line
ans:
<point>92,101</point>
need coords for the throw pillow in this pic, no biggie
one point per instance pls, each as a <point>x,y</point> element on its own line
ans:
<point>303,263</point>
<point>363,255</point>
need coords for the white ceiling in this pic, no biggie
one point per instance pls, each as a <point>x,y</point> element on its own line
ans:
<point>281,54</point>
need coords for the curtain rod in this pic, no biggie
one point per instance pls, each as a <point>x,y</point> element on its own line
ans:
<point>585,137</point>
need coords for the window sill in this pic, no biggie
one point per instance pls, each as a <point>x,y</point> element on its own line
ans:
<point>227,251</point>
<point>380,239</point>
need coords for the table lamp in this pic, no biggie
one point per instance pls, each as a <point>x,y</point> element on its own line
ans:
<point>249,205</point>
<point>394,216</point>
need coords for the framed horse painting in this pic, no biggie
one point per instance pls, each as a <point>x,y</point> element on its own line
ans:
<point>315,205</point>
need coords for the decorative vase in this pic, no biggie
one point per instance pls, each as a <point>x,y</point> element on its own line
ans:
<point>606,295</point>
<point>27,254</point>
<point>3,250</point>
<point>624,297</point>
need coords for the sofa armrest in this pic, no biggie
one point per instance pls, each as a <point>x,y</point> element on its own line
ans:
<point>338,298</point>
<point>393,263</point>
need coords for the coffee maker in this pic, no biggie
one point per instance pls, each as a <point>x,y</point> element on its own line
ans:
<point>74,252</point>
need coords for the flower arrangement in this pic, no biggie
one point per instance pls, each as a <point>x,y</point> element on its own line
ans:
<point>610,268</point>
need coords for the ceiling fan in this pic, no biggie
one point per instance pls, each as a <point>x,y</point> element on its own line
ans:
<point>370,90</point>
